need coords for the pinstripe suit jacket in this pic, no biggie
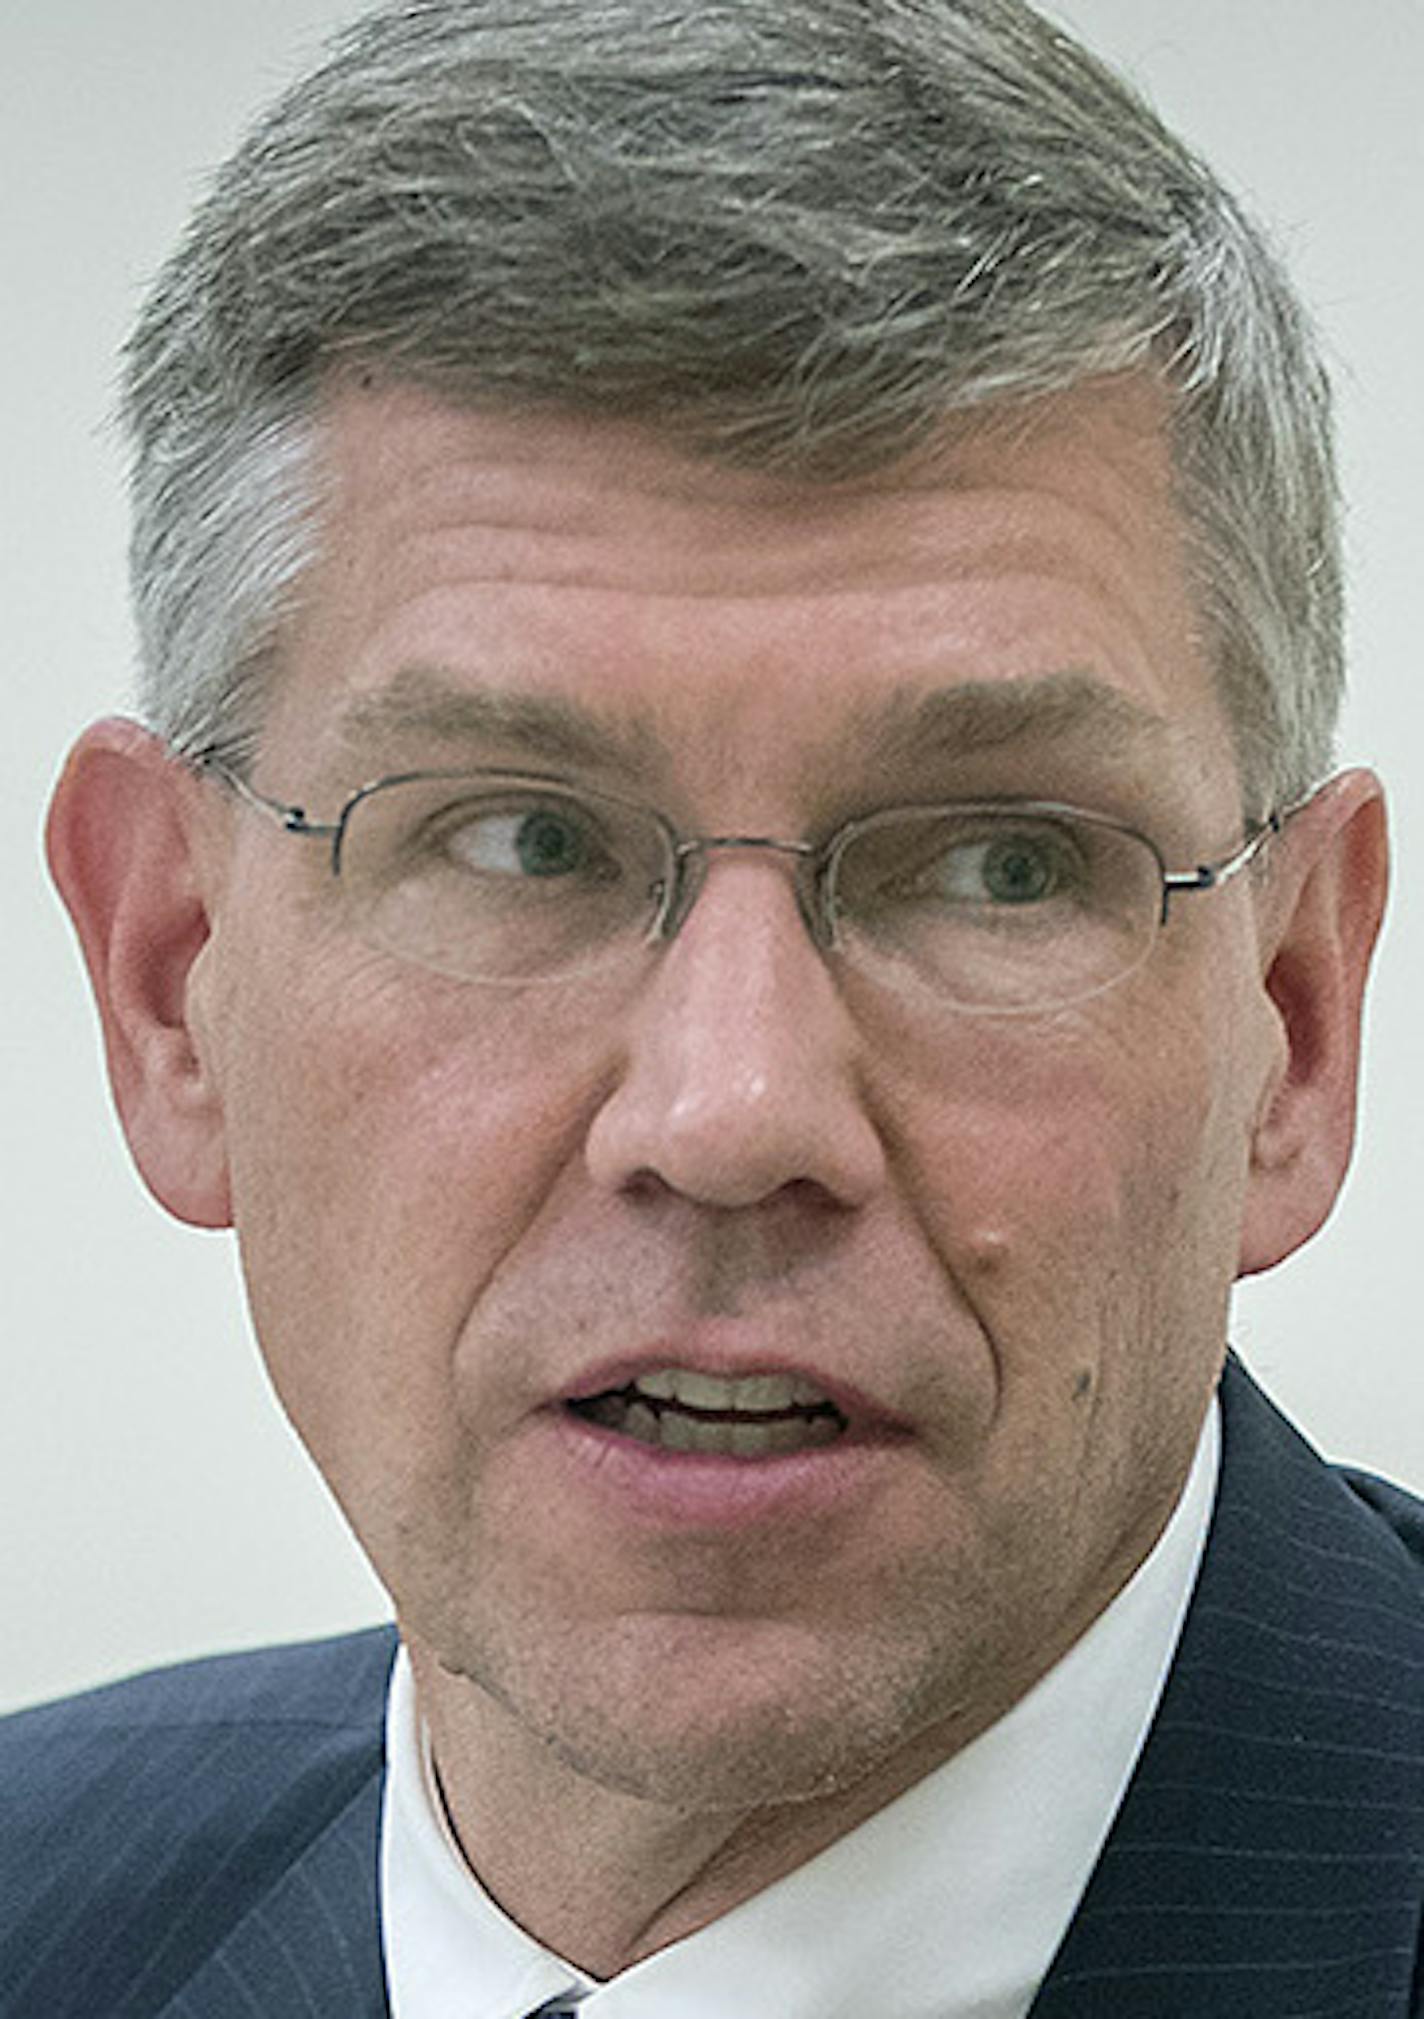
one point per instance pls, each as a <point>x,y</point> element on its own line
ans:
<point>202,1843</point>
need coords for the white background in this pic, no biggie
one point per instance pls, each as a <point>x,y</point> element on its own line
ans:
<point>152,1501</point>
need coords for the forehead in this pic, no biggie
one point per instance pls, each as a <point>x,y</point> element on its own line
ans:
<point>591,591</point>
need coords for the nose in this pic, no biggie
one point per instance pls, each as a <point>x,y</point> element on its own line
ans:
<point>739,1073</point>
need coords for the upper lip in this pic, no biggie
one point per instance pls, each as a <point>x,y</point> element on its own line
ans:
<point>859,1409</point>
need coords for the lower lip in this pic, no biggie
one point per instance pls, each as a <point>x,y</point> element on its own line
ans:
<point>706,1490</point>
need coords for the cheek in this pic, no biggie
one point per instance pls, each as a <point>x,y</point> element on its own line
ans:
<point>1077,1177</point>
<point>386,1154</point>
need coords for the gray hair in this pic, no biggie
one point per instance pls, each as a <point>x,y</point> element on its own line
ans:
<point>795,234</point>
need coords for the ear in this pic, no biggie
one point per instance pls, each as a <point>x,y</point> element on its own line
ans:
<point>1320,905</point>
<point>125,840</point>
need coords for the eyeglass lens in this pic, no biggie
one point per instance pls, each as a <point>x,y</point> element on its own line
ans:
<point>986,907</point>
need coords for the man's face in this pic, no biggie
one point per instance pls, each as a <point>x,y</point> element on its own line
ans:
<point>1003,1244</point>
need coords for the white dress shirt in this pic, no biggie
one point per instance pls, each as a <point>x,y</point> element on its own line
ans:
<point>947,1904</point>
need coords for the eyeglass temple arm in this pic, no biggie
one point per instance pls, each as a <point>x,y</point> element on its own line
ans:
<point>293,818</point>
<point>1212,875</point>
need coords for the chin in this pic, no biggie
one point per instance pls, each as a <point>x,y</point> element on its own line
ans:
<point>688,1714</point>
<point>744,1763</point>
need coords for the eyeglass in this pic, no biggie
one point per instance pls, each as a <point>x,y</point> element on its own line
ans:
<point>989,905</point>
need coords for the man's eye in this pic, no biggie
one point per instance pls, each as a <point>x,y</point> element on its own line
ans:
<point>1011,869</point>
<point>544,842</point>
<point>1024,867</point>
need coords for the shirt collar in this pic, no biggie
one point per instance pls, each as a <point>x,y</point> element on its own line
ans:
<point>947,1904</point>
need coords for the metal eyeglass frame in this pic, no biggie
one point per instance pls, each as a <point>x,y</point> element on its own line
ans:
<point>814,861</point>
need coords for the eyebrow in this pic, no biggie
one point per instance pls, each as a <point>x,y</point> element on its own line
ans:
<point>906,727</point>
<point>419,701</point>
<point>975,716</point>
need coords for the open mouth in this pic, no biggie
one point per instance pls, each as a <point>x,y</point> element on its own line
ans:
<point>754,1416</point>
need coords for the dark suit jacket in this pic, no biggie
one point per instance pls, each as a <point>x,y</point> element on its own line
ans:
<point>202,1843</point>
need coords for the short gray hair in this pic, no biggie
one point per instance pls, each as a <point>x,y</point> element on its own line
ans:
<point>795,234</point>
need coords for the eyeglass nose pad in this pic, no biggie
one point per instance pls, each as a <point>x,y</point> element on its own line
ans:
<point>816,895</point>
<point>675,894</point>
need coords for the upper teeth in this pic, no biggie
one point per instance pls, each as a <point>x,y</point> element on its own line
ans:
<point>715,1391</point>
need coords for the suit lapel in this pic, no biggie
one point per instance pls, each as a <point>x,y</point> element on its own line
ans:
<point>1261,1863</point>
<point>310,1948</point>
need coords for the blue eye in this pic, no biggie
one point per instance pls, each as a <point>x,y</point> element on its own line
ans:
<point>544,842</point>
<point>1017,870</point>
<point>549,844</point>
<point>964,864</point>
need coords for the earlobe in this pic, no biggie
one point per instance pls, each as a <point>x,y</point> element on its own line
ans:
<point>124,850</point>
<point>1320,908</point>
